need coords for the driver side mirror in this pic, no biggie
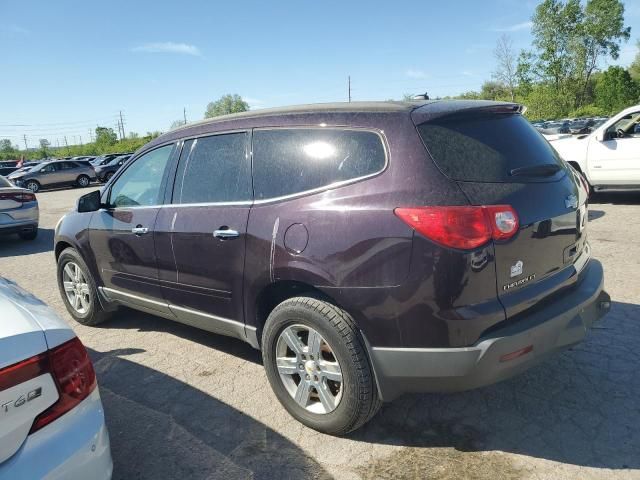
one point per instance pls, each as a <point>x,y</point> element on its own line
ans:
<point>89,202</point>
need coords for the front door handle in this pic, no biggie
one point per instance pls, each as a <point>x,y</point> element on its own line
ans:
<point>139,230</point>
<point>225,234</point>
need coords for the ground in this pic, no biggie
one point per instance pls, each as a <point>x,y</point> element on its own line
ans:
<point>181,403</point>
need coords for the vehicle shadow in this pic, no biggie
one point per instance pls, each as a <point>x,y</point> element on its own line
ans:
<point>126,318</point>
<point>615,198</point>
<point>162,428</point>
<point>13,245</point>
<point>596,214</point>
<point>581,407</point>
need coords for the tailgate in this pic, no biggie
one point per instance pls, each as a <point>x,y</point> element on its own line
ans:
<point>498,158</point>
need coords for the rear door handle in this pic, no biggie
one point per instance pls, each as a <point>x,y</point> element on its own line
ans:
<point>224,234</point>
<point>139,230</point>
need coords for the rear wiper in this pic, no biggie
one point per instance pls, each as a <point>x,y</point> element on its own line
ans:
<point>542,170</point>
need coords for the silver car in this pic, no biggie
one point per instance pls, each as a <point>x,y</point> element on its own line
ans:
<point>18,211</point>
<point>57,173</point>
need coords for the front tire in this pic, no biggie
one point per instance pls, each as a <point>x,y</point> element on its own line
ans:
<point>33,186</point>
<point>318,367</point>
<point>78,290</point>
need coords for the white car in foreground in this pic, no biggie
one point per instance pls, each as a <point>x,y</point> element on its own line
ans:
<point>608,157</point>
<point>51,417</point>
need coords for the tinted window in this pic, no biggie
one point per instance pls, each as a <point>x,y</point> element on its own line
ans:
<point>67,165</point>
<point>214,169</point>
<point>141,183</point>
<point>485,148</point>
<point>288,161</point>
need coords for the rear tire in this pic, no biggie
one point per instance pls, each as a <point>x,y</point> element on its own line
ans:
<point>33,186</point>
<point>357,399</point>
<point>88,311</point>
<point>30,235</point>
<point>83,181</point>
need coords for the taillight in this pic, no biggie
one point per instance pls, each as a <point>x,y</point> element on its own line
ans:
<point>18,197</point>
<point>72,371</point>
<point>464,227</point>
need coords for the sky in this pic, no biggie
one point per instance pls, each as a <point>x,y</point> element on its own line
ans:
<point>68,66</point>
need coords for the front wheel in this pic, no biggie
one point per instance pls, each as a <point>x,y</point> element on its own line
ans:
<point>318,367</point>
<point>33,186</point>
<point>78,290</point>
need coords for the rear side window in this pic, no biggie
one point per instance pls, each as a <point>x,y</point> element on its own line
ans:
<point>289,161</point>
<point>214,169</point>
<point>485,148</point>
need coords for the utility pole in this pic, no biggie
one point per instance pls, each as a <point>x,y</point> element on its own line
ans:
<point>80,139</point>
<point>25,142</point>
<point>65,141</point>
<point>184,112</point>
<point>349,86</point>
<point>90,135</point>
<point>122,125</point>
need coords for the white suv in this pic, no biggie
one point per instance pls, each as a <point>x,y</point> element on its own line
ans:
<point>609,157</point>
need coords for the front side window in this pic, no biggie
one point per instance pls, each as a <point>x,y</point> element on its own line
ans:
<point>625,127</point>
<point>48,168</point>
<point>290,161</point>
<point>214,169</point>
<point>141,183</point>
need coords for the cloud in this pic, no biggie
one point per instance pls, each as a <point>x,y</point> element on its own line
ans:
<point>514,28</point>
<point>168,47</point>
<point>467,73</point>
<point>411,73</point>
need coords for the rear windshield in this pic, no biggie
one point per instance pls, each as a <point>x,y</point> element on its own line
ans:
<point>485,148</point>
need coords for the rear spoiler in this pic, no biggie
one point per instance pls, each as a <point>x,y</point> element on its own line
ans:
<point>453,108</point>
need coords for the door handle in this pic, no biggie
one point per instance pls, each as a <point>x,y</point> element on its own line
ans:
<point>225,234</point>
<point>139,230</point>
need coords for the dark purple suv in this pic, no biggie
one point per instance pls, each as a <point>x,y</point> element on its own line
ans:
<point>368,249</point>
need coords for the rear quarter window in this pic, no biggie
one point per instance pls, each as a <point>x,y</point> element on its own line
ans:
<point>291,161</point>
<point>485,148</point>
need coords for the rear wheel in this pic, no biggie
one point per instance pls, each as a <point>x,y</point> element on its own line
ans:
<point>83,181</point>
<point>33,186</point>
<point>30,235</point>
<point>318,367</point>
<point>78,290</point>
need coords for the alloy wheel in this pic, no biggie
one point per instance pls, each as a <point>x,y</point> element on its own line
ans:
<point>76,288</point>
<point>309,369</point>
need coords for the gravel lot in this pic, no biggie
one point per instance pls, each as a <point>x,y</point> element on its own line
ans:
<point>181,403</point>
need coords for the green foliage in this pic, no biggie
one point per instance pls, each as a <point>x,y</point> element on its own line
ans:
<point>634,69</point>
<point>5,146</point>
<point>616,90</point>
<point>105,136</point>
<point>588,111</point>
<point>226,104</point>
<point>545,101</point>
<point>569,40</point>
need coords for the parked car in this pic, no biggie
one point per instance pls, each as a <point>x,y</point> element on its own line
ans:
<point>55,174</point>
<point>25,168</point>
<point>52,417</point>
<point>7,168</point>
<point>18,211</point>
<point>368,249</point>
<point>608,157</point>
<point>106,171</point>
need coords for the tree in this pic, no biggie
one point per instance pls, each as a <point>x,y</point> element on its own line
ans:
<point>616,90</point>
<point>5,146</point>
<point>44,143</point>
<point>634,69</point>
<point>506,70</point>
<point>492,90</point>
<point>105,136</point>
<point>570,40</point>
<point>226,104</point>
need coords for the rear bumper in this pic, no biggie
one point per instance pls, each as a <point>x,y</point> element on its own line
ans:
<point>73,447</point>
<point>547,331</point>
